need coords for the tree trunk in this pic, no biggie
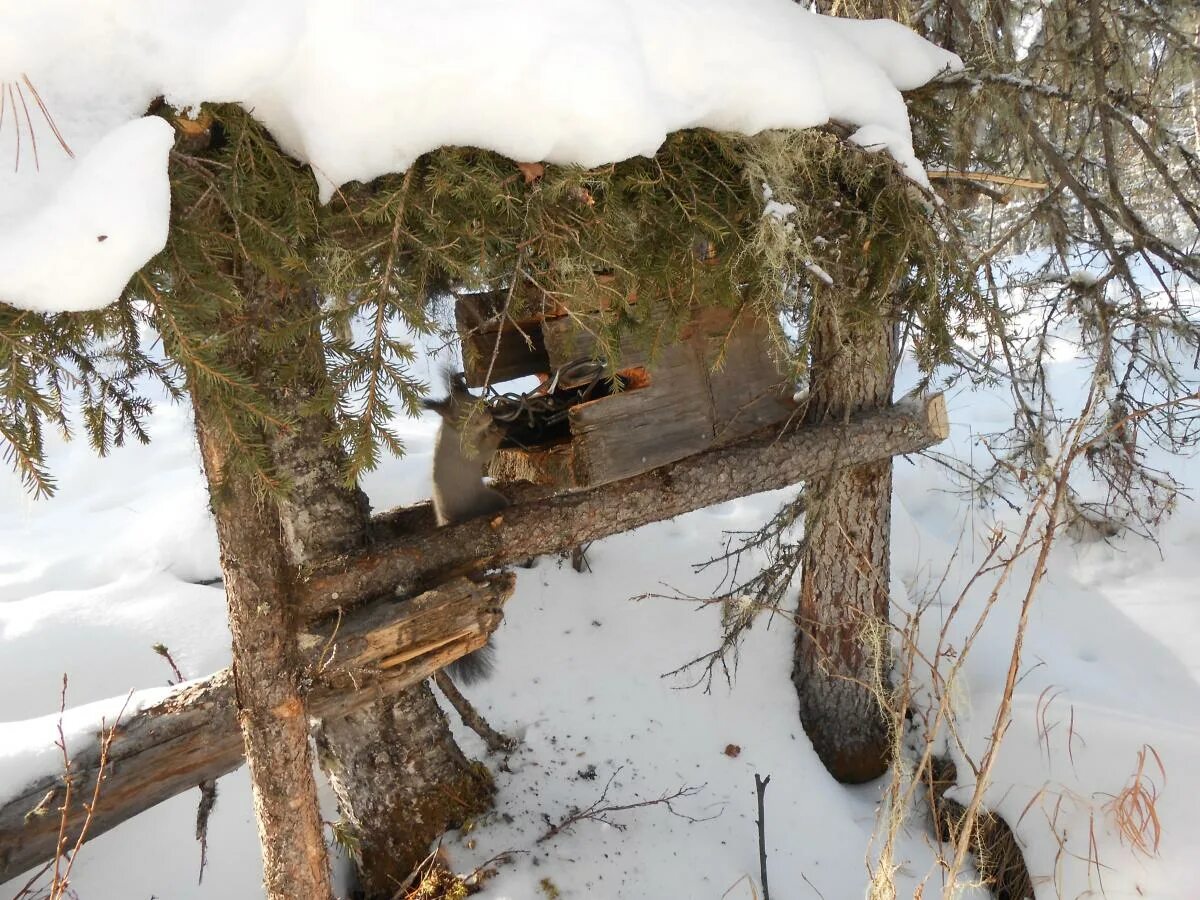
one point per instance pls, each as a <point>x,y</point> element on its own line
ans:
<point>375,651</point>
<point>395,764</point>
<point>842,645</point>
<point>401,781</point>
<point>267,669</point>
<point>842,654</point>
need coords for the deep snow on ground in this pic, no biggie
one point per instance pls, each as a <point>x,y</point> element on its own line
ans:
<point>91,579</point>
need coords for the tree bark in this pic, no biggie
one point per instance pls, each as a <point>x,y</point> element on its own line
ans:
<point>842,644</point>
<point>842,653</point>
<point>266,676</point>
<point>401,782</point>
<point>394,764</point>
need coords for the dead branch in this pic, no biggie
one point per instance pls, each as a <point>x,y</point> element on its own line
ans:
<point>600,810</point>
<point>760,788</point>
<point>471,717</point>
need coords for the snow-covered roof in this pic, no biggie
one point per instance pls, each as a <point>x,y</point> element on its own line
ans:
<point>361,88</point>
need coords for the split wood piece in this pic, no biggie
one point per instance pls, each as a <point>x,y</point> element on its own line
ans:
<point>535,524</point>
<point>193,736</point>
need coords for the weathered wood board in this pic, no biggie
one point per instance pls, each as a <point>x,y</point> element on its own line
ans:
<point>481,328</point>
<point>677,403</point>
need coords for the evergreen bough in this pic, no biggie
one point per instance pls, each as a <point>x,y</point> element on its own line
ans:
<point>627,248</point>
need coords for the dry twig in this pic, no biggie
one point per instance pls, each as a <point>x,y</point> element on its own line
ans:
<point>600,809</point>
<point>471,717</point>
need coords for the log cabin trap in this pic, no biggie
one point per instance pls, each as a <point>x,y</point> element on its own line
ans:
<point>591,421</point>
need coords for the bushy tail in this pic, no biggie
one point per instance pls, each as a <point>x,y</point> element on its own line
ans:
<point>475,666</point>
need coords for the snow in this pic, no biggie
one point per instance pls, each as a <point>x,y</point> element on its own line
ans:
<point>90,579</point>
<point>1100,681</point>
<point>77,249</point>
<point>773,207</point>
<point>361,88</point>
<point>29,751</point>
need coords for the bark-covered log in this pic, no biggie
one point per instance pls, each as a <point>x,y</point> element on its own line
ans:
<point>375,652</point>
<point>266,669</point>
<point>536,524</point>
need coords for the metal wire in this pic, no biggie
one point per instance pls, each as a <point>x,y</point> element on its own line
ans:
<point>550,402</point>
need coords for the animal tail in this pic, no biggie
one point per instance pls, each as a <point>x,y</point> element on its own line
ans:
<point>475,666</point>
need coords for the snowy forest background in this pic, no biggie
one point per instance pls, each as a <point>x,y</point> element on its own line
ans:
<point>1072,397</point>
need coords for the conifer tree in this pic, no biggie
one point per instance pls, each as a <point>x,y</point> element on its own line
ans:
<point>1080,119</point>
<point>1092,105</point>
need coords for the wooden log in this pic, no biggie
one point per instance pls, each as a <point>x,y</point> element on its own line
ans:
<point>536,524</point>
<point>193,736</point>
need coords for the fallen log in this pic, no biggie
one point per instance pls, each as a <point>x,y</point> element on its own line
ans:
<point>536,524</point>
<point>193,736</point>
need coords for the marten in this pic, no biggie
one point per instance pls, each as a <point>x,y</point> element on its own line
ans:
<point>465,443</point>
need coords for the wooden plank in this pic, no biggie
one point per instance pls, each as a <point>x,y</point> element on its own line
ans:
<point>567,340</point>
<point>638,430</point>
<point>686,407</point>
<point>522,349</point>
<point>748,390</point>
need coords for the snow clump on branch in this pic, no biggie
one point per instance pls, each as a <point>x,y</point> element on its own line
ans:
<point>361,89</point>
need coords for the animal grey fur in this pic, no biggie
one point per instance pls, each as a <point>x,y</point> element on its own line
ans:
<point>465,444</point>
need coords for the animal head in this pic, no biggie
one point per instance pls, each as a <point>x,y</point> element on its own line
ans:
<point>479,433</point>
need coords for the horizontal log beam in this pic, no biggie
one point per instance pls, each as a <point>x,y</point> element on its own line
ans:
<point>408,556</point>
<point>193,736</point>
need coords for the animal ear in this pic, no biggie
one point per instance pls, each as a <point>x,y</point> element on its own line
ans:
<point>441,407</point>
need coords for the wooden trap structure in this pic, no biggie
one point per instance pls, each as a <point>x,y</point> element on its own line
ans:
<point>594,421</point>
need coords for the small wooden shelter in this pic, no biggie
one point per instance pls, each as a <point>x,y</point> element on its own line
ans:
<point>713,385</point>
